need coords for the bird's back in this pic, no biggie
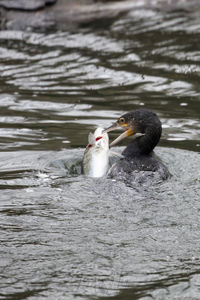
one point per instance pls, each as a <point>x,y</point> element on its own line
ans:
<point>142,169</point>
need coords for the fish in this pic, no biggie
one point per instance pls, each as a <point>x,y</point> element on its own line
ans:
<point>96,155</point>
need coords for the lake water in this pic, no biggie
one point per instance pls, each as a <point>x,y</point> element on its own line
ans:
<point>66,236</point>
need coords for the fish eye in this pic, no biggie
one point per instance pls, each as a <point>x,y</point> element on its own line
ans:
<point>121,120</point>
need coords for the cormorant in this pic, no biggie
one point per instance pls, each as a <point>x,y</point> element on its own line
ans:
<point>139,163</point>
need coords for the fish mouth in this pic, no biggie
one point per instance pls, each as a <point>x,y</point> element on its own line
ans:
<point>128,132</point>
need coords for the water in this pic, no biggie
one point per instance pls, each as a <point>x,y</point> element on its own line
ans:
<point>65,236</point>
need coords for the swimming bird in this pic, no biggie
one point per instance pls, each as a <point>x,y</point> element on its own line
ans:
<point>139,163</point>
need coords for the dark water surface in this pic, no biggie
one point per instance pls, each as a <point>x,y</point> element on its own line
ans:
<point>65,236</point>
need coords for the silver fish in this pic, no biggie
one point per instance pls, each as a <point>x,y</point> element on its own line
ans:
<point>95,160</point>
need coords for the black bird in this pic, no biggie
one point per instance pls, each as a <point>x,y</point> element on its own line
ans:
<point>139,163</point>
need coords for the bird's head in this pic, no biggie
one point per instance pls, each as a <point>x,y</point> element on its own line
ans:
<point>139,121</point>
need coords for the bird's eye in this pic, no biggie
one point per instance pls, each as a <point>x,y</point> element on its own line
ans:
<point>121,120</point>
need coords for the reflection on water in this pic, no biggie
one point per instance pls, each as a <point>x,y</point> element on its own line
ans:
<point>91,77</point>
<point>64,236</point>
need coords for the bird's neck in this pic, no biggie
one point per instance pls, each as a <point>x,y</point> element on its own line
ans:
<point>144,144</point>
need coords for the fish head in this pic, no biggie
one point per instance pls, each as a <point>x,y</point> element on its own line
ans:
<point>98,139</point>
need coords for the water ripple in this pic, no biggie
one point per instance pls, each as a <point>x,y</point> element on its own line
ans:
<point>64,235</point>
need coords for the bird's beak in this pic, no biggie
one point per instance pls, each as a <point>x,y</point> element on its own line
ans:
<point>112,127</point>
<point>129,131</point>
